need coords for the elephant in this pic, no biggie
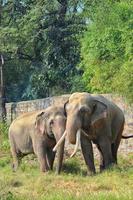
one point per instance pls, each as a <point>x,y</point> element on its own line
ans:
<point>93,118</point>
<point>37,132</point>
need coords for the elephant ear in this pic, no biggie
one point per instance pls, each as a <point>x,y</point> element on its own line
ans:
<point>40,123</point>
<point>65,107</point>
<point>99,113</point>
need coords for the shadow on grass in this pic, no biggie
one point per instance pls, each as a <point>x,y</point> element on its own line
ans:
<point>16,183</point>
<point>77,166</point>
<point>73,167</point>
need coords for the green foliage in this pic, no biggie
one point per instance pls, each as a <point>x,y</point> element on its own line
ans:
<point>39,41</point>
<point>123,81</point>
<point>77,84</point>
<point>4,130</point>
<point>107,48</point>
<point>4,162</point>
<point>41,44</point>
<point>4,142</point>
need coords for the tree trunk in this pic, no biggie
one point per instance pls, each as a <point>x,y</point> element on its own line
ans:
<point>2,93</point>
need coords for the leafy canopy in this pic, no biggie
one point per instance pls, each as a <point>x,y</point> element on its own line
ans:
<point>40,44</point>
<point>107,48</point>
<point>63,46</point>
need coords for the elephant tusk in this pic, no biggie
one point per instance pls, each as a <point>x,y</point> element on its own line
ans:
<point>60,141</point>
<point>77,144</point>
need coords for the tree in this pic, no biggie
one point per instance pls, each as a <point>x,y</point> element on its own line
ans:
<point>2,92</point>
<point>40,43</point>
<point>107,48</point>
<point>2,89</point>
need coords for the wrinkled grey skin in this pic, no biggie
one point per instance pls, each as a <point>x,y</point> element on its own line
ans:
<point>103,123</point>
<point>37,132</point>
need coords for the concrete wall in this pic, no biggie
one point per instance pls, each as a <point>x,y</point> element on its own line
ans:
<point>15,109</point>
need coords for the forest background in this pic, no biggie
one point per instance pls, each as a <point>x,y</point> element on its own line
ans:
<point>61,46</point>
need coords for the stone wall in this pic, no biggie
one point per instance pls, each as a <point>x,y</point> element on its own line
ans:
<point>15,109</point>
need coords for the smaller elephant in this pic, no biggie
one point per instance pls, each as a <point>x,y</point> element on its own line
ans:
<point>37,132</point>
<point>93,118</point>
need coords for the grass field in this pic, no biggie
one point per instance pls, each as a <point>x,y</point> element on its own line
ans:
<point>28,183</point>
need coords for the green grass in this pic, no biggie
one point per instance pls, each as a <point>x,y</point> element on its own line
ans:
<point>4,143</point>
<point>28,183</point>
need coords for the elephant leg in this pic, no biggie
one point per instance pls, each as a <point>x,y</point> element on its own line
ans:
<point>43,162</point>
<point>102,166</point>
<point>15,163</point>
<point>14,153</point>
<point>17,157</point>
<point>42,158</point>
<point>39,147</point>
<point>114,147</point>
<point>116,144</point>
<point>114,153</point>
<point>50,157</point>
<point>105,146</point>
<point>87,151</point>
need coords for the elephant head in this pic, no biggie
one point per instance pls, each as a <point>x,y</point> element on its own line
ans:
<point>51,123</point>
<point>84,112</point>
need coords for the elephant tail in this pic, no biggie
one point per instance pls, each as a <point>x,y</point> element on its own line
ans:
<point>126,137</point>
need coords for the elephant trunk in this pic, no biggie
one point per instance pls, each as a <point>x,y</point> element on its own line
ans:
<point>77,143</point>
<point>72,127</point>
<point>60,142</point>
<point>60,155</point>
<point>72,138</point>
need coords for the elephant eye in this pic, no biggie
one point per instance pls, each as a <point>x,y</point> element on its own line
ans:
<point>82,110</point>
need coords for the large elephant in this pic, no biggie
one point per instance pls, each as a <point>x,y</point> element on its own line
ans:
<point>94,119</point>
<point>37,132</point>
